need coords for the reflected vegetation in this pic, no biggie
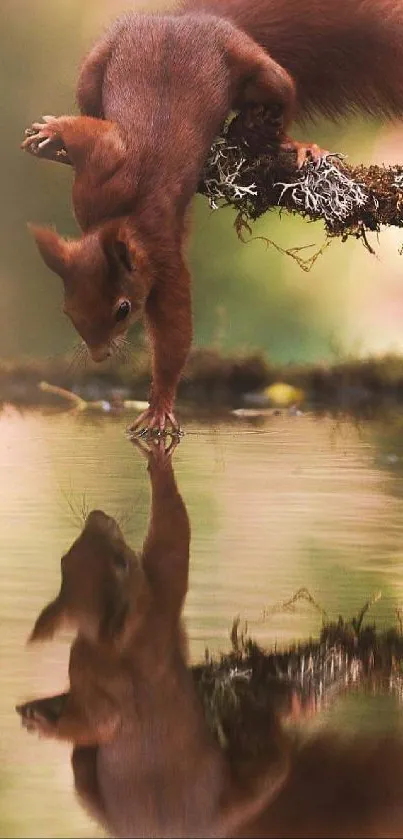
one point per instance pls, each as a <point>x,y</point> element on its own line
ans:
<point>299,740</point>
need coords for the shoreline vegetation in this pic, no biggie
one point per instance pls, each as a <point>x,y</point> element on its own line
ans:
<point>213,382</point>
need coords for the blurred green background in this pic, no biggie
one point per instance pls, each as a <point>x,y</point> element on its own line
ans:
<point>245,295</point>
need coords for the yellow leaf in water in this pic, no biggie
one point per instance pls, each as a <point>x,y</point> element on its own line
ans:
<point>283,395</point>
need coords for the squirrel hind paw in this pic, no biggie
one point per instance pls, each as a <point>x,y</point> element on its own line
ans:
<point>305,152</point>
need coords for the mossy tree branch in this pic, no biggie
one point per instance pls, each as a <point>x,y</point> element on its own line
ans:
<point>246,172</point>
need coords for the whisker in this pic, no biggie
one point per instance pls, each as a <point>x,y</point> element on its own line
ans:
<point>123,520</point>
<point>57,356</point>
<point>84,355</point>
<point>79,356</point>
<point>120,347</point>
<point>84,508</point>
<point>73,361</point>
<point>77,512</point>
<point>124,355</point>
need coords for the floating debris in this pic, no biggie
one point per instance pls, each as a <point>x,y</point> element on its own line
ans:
<point>284,395</point>
<point>103,405</point>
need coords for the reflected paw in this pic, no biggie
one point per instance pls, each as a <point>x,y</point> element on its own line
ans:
<point>155,451</point>
<point>41,715</point>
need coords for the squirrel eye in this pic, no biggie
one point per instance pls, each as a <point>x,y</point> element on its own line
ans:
<point>120,562</point>
<point>123,310</point>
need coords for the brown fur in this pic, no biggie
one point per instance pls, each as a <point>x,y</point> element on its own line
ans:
<point>343,56</point>
<point>153,94</point>
<point>338,787</point>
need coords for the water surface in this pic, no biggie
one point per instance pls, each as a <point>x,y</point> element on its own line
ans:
<point>292,502</point>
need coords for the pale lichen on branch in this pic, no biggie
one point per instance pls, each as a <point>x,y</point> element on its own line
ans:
<point>244,170</point>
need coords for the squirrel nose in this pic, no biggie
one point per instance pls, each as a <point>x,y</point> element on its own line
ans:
<point>100,353</point>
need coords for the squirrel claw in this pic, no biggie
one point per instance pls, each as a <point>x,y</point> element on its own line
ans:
<point>153,423</point>
<point>33,720</point>
<point>154,450</point>
<point>41,135</point>
<point>305,151</point>
<point>36,138</point>
<point>44,142</point>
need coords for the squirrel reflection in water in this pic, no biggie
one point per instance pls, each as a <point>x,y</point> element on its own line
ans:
<point>145,762</point>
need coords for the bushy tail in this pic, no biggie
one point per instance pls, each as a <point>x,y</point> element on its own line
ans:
<point>344,55</point>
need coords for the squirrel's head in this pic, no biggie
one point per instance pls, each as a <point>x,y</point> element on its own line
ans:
<point>103,589</point>
<point>106,281</point>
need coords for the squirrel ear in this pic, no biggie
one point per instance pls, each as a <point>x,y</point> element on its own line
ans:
<point>52,247</point>
<point>49,621</point>
<point>119,247</point>
<point>123,254</point>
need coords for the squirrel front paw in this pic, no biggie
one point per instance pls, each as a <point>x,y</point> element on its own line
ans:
<point>42,139</point>
<point>156,421</point>
<point>41,715</point>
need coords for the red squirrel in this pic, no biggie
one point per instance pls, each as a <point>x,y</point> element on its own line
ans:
<point>153,94</point>
<point>144,760</point>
